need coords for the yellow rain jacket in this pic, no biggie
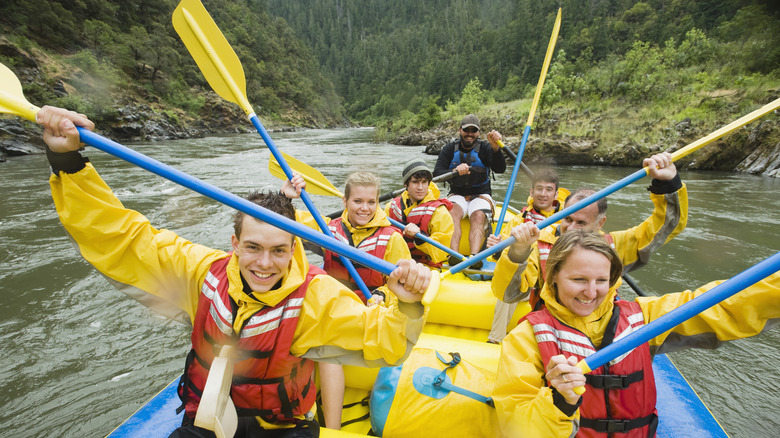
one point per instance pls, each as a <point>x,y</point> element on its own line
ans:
<point>524,404</point>
<point>440,228</point>
<point>166,272</point>
<point>512,281</point>
<point>396,246</point>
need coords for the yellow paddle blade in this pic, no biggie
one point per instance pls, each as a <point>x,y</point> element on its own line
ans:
<point>316,183</point>
<point>547,58</point>
<point>211,51</point>
<point>12,99</point>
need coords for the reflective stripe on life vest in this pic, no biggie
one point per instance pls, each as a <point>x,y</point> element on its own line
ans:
<point>268,381</point>
<point>620,396</point>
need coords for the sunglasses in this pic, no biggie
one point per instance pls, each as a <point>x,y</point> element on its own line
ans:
<point>470,130</point>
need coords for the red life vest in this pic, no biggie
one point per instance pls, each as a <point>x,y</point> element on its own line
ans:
<point>620,396</point>
<point>544,253</point>
<point>421,216</point>
<point>268,381</point>
<point>533,216</point>
<point>375,244</point>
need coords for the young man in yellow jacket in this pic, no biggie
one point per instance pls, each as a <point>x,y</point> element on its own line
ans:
<point>519,273</point>
<point>545,199</point>
<point>421,210</point>
<point>281,313</point>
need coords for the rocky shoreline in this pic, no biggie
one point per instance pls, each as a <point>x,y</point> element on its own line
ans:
<point>753,149</point>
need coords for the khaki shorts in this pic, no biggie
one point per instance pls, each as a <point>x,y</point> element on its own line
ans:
<point>474,203</point>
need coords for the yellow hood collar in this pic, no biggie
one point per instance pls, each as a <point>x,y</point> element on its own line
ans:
<point>379,220</point>
<point>430,196</point>
<point>581,323</point>
<point>299,266</point>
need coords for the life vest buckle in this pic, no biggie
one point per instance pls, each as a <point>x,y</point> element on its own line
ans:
<point>612,426</point>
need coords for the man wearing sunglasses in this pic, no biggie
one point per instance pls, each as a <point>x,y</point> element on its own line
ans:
<point>470,192</point>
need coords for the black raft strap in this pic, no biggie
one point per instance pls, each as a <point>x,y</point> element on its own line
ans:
<point>614,381</point>
<point>616,426</point>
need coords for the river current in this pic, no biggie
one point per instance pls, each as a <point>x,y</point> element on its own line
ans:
<point>79,357</point>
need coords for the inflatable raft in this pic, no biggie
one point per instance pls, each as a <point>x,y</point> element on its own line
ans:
<point>459,321</point>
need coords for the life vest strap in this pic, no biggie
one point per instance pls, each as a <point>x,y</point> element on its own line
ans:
<point>603,425</point>
<point>614,381</point>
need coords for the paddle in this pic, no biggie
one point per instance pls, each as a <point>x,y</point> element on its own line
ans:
<point>635,287</point>
<point>681,314</point>
<point>325,187</point>
<point>316,183</point>
<point>223,71</point>
<point>216,410</point>
<point>512,155</point>
<point>527,130</point>
<point>12,101</point>
<point>636,176</point>
<point>441,178</point>
<point>387,196</point>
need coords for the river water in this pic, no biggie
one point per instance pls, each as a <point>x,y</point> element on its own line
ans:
<point>79,357</point>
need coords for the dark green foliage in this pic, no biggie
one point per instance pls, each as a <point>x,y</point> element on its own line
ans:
<point>376,50</point>
<point>117,45</point>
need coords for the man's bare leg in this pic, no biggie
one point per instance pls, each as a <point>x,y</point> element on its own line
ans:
<point>457,215</point>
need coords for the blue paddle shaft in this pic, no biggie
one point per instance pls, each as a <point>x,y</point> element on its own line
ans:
<point>309,205</point>
<point>685,312</point>
<point>427,239</point>
<point>511,186</point>
<point>636,176</point>
<point>231,200</point>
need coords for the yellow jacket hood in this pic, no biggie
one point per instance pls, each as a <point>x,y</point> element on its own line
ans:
<point>592,325</point>
<point>379,220</point>
<point>296,274</point>
<point>432,195</point>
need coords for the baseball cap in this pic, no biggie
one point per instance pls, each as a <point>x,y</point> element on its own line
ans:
<point>469,120</point>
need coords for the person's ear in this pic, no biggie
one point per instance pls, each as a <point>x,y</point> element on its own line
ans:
<point>234,242</point>
<point>601,221</point>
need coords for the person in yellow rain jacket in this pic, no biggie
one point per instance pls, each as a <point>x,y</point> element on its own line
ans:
<point>519,273</point>
<point>262,297</point>
<point>534,392</point>
<point>421,210</point>
<point>545,199</point>
<point>364,226</point>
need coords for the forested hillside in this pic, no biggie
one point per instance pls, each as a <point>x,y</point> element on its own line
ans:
<point>108,52</point>
<point>636,76</point>
<point>389,56</point>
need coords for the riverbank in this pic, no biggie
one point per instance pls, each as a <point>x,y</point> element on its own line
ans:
<point>620,135</point>
<point>128,111</point>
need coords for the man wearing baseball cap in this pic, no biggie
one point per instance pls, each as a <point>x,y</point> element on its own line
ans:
<point>470,191</point>
<point>421,210</point>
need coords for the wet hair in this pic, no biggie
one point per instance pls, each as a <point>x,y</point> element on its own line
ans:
<point>590,240</point>
<point>545,175</point>
<point>274,201</point>
<point>582,193</point>
<point>363,179</point>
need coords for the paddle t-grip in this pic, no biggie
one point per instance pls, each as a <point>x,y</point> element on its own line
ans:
<point>579,390</point>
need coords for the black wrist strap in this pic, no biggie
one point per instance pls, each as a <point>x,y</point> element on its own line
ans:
<point>68,162</point>
<point>659,187</point>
